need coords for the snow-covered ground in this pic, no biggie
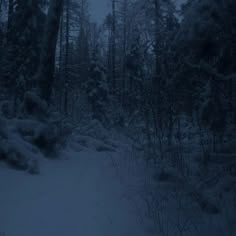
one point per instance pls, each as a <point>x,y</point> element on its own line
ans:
<point>79,194</point>
<point>102,186</point>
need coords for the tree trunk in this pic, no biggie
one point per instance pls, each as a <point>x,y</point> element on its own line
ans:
<point>10,13</point>
<point>113,46</point>
<point>45,75</point>
<point>61,67</point>
<point>124,44</point>
<point>67,37</point>
<point>157,76</point>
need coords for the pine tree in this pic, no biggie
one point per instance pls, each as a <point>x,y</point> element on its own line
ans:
<point>23,43</point>
<point>97,88</point>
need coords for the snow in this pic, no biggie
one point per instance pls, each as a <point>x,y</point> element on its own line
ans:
<point>79,194</point>
<point>102,185</point>
<point>15,149</point>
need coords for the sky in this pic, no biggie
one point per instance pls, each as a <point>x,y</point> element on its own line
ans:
<point>99,9</point>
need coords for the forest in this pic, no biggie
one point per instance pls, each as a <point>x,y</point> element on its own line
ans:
<point>124,126</point>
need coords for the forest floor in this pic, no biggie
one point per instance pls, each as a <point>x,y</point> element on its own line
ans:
<point>80,193</point>
<point>101,185</point>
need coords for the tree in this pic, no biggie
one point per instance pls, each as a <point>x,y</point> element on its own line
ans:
<point>45,75</point>
<point>208,48</point>
<point>22,45</point>
<point>97,88</point>
<point>113,46</point>
<point>135,76</point>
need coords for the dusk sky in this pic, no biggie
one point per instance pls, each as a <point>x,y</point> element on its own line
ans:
<point>99,9</point>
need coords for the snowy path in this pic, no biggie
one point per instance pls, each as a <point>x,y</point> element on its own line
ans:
<point>77,196</point>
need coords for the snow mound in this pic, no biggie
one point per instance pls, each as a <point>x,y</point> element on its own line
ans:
<point>17,151</point>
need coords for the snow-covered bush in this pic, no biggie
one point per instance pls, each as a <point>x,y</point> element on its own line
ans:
<point>33,106</point>
<point>51,136</point>
<point>16,151</point>
<point>6,109</point>
<point>24,140</point>
<point>48,130</point>
<point>95,130</point>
